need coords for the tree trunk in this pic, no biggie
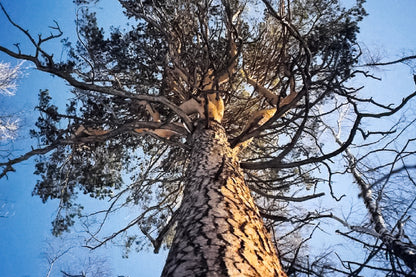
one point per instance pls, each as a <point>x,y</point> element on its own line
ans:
<point>219,230</point>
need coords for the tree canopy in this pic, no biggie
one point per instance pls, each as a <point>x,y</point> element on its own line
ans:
<point>283,70</point>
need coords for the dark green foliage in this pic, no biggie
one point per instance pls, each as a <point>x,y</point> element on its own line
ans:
<point>90,169</point>
<point>334,37</point>
<point>47,123</point>
<point>131,57</point>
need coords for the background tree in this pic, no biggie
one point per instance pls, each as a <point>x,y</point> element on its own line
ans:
<point>8,123</point>
<point>292,62</point>
<point>8,77</point>
<point>58,251</point>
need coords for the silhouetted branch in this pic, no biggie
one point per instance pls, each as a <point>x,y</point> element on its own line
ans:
<point>391,62</point>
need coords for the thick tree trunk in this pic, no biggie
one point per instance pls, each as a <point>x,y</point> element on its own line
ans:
<point>219,230</point>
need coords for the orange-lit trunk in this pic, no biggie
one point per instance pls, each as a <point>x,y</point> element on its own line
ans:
<point>219,230</point>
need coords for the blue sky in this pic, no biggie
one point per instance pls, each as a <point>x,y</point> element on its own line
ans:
<point>389,30</point>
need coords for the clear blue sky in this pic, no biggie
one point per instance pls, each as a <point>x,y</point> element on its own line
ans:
<point>389,29</point>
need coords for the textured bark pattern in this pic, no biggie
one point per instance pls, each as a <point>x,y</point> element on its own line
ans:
<point>220,231</point>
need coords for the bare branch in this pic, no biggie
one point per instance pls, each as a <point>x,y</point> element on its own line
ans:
<point>32,40</point>
<point>8,166</point>
<point>391,62</point>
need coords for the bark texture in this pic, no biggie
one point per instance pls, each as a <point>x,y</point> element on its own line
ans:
<point>219,230</point>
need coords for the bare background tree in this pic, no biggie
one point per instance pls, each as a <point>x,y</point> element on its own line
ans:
<point>65,256</point>
<point>9,76</point>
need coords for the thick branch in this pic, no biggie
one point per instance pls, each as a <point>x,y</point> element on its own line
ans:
<point>391,62</point>
<point>287,198</point>
<point>101,89</point>
<point>8,166</point>
<point>98,136</point>
<point>276,163</point>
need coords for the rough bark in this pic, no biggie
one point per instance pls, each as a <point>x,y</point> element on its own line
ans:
<point>219,230</point>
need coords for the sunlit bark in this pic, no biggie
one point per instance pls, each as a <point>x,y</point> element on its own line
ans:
<point>219,230</point>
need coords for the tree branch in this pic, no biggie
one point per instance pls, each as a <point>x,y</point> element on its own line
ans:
<point>391,62</point>
<point>8,166</point>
